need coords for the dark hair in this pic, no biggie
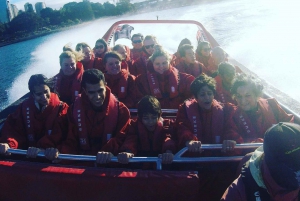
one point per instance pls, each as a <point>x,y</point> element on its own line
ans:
<point>37,80</point>
<point>113,55</point>
<point>202,81</point>
<point>148,105</point>
<point>183,48</point>
<point>225,67</point>
<point>243,80</point>
<point>80,46</point>
<point>137,35</point>
<point>184,41</point>
<point>200,47</point>
<point>117,47</point>
<point>101,40</point>
<point>92,76</point>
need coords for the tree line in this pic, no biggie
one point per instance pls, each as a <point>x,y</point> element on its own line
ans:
<point>70,14</point>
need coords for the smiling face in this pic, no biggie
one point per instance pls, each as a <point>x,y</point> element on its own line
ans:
<point>205,97</point>
<point>87,54</point>
<point>246,98</point>
<point>41,94</point>
<point>205,51</point>
<point>99,48</point>
<point>137,42</point>
<point>95,93</point>
<point>122,52</point>
<point>150,121</point>
<point>161,64</point>
<point>113,65</point>
<point>68,66</point>
<point>189,57</point>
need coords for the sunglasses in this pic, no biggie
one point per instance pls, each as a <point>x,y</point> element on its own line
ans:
<point>99,47</point>
<point>149,46</point>
<point>206,49</point>
<point>137,41</point>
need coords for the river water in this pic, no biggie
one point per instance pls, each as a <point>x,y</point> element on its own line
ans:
<point>261,34</point>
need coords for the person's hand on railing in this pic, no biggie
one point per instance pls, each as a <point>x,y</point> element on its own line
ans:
<point>3,148</point>
<point>124,157</point>
<point>51,154</point>
<point>228,145</point>
<point>258,140</point>
<point>166,158</point>
<point>103,157</point>
<point>32,152</point>
<point>193,146</point>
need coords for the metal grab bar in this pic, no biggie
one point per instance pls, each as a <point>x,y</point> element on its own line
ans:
<point>166,111</point>
<point>177,157</point>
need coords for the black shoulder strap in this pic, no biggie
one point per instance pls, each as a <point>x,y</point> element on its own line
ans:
<point>253,191</point>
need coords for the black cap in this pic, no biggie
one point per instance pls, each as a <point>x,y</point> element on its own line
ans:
<point>282,141</point>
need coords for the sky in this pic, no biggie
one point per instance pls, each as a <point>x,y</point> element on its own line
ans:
<point>55,4</point>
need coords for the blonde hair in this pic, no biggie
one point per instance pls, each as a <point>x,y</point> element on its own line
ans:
<point>70,54</point>
<point>158,52</point>
<point>151,37</point>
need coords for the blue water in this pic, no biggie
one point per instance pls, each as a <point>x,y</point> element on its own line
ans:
<point>260,34</point>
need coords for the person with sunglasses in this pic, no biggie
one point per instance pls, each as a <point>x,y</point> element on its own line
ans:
<point>163,81</point>
<point>140,64</point>
<point>89,60</point>
<point>137,44</point>
<point>100,48</point>
<point>203,53</point>
<point>120,81</point>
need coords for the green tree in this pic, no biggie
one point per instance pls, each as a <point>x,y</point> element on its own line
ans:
<point>26,22</point>
<point>110,9</point>
<point>86,12</point>
<point>98,10</point>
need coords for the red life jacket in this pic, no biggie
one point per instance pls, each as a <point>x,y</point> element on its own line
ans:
<point>123,83</point>
<point>52,110</point>
<point>144,140</point>
<point>267,118</point>
<point>194,69</point>
<point>76,82</point>
<point>173,82</point>
<point>217,128</point>
<point>110,121</point>
<point>222,94</point>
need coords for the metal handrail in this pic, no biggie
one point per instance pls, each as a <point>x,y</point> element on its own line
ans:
<point>166,111</point>
<point>177,157</point>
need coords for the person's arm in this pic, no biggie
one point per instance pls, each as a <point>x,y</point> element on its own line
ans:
<point>183,128</point>
<point>14,131</point>
<point>235,192</point>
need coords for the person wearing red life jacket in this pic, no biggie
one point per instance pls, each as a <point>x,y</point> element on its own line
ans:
<point>100,48</point>
<point>137,43</point>
<point>176,59</point>
<point>203,53</point>
<point>224,81</point>
<point>188,63</point>
<point>272,172</point>
<point>254,115</point>
<point>163,81</point>
<point>150,132</point>
<point>89,60</point>
<point>140,64</point>
<point>203,119</point>
<point>37,118</point>
<point>121,83</point>
<point>67,82</point>
<point>96,121</point>
<point>124,51</point>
